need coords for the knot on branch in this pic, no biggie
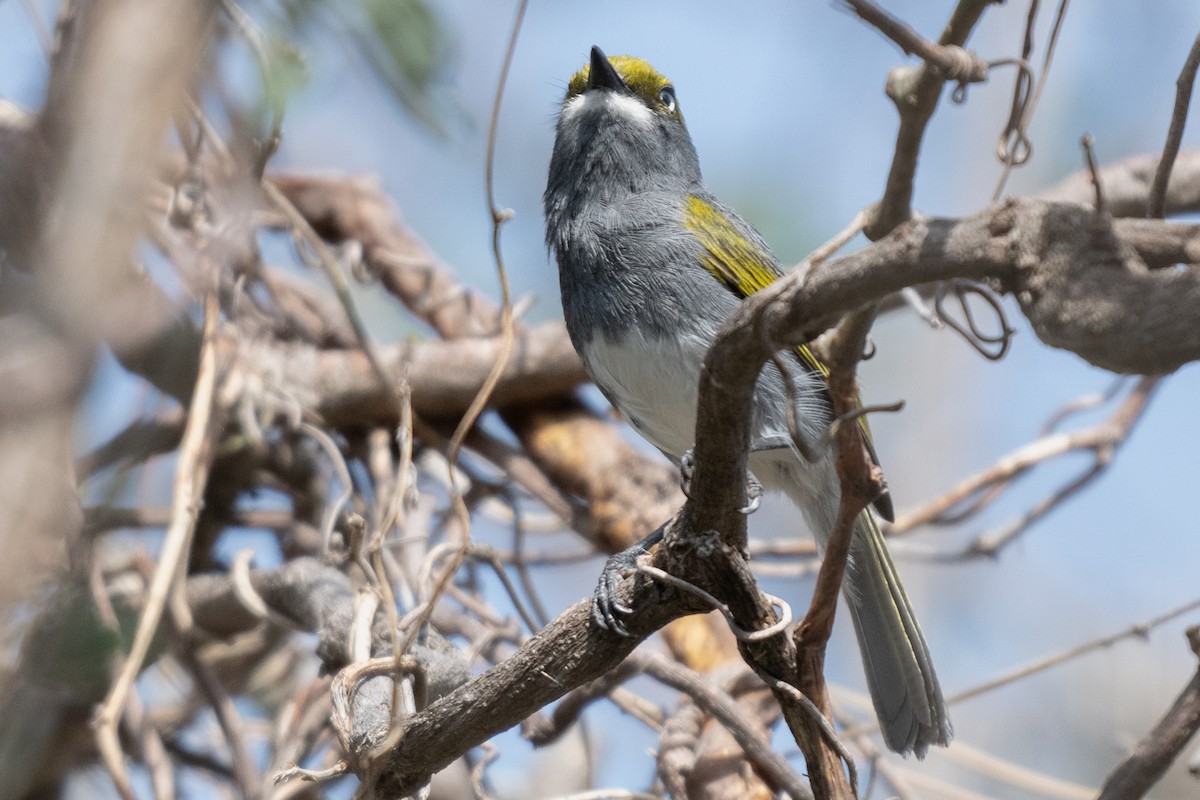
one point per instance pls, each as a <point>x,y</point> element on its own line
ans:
<point>1085,289</point>
<point>960,65</point>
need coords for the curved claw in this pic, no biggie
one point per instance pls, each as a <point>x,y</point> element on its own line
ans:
<point>687,466</point>
<point>607,610</point>
<point>754,495</point>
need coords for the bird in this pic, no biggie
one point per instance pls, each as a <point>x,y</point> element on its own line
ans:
<point>650,266</point>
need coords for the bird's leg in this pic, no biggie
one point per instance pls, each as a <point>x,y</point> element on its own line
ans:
<point>754,489</point>
<point>754,495</point>
<point>606,609</point>
<point>687,467</point>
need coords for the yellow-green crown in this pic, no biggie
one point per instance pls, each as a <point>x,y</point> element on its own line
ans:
<point>642,79</point>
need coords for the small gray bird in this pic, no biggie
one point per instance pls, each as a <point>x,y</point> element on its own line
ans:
<point>651,264</point>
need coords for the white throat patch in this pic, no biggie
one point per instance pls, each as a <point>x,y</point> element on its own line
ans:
<point>619,103</point>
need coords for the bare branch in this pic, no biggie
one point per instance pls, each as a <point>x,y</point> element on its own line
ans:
<point>342,386</point>
<point>915,92</point>
<point>1183,97</point>
<point>980,490</point>
<point>1128,182</point>
<point>955,63</point>
<point>858,488</point>
<point>1134,777</point>
<point>1082,286</point>
<point>205,417</point>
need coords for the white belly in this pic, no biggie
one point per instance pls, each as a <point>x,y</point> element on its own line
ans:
<point>652,383</point>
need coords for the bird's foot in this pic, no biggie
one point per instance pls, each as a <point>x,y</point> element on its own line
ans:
<point>754,495</point>
<point>687,467</point>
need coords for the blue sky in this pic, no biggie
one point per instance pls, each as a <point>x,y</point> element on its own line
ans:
<point>785,103</point>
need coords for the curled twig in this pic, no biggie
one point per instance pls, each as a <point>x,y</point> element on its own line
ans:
<point>971,332</point>
<point>785,610</point>
<point>1014,148</point>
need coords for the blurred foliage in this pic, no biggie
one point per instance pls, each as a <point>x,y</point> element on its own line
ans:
<point>286,73</point>
<point>408,49</point>
<point>73,647</point>
<point>403,43</point>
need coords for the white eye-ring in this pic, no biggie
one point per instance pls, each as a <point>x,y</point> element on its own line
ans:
<point>666,96</point>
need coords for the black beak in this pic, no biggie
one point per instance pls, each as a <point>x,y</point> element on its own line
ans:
<point>602,75</point>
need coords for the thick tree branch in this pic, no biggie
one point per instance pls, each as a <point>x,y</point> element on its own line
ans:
<point>444,376</point>
<point>568,652</point>
<point>1082,286</point>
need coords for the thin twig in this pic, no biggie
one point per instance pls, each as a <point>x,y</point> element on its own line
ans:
<point>245,26</point>
<point>328,263</point>
<point>742,635</point>
<point>1018,777</point>
<point>1156,207</point>
<point>1087,142</point>
<point>507,333</point>
<point>836,242</point>
<point>153,751</point>
<point>880,765</point>
<point>1084,403</point>
<point>191,475</point>
<point>518,561</point>
<point>1025,102</point>
<point>228,719</point>
<point>971,332</point>
<point>338,461</point>
<point>1149,761</point>
<point>1139,630</point>
<point>981,489</point>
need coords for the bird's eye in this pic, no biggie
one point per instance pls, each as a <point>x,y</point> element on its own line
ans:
<point>666,96</point>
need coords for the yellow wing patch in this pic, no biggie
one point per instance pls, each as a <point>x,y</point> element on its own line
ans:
<point>744,267</point>
<point>736,261</point>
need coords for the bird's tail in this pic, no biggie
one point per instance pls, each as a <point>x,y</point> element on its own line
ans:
<point>904,686</point>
